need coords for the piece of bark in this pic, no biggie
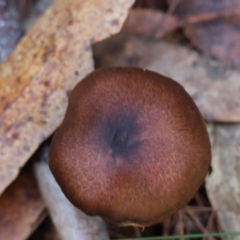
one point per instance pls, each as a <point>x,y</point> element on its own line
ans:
<point>21,207</point>
<point>45,66</point>
<point>214,88</point>
<point>223,184</point>
<point>70,222</point>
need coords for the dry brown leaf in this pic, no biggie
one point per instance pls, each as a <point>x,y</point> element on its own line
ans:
<point>214,88</point>
<point>46,65</point>
<point>223,185</point>
<point>157,24</point>
<point>192,7</point>
<point>21,207</point>
<point>150,23</point>
<point>219,38</point>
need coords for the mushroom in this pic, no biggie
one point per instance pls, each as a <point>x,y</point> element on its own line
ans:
<point>133,147</point>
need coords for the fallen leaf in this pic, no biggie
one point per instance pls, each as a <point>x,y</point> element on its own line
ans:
<point>21,207</point>
<point>150,23</point>
<point>220,37</point>
<point>45,66</point>
<point>157,24</point>
<point>223,185</point>
<point>185,8</point>
<point>214,88</point>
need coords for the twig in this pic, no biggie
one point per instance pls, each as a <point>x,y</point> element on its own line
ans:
<point>197,222</point>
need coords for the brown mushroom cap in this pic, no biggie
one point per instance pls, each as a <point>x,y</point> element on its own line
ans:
<point>133,147</point>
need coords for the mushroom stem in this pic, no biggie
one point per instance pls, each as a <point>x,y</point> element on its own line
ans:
<point>70,222</point>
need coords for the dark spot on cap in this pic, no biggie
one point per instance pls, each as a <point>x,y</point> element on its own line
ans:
<point>121,134</point>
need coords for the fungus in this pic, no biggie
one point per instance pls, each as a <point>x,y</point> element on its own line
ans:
<point>133,147</point>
